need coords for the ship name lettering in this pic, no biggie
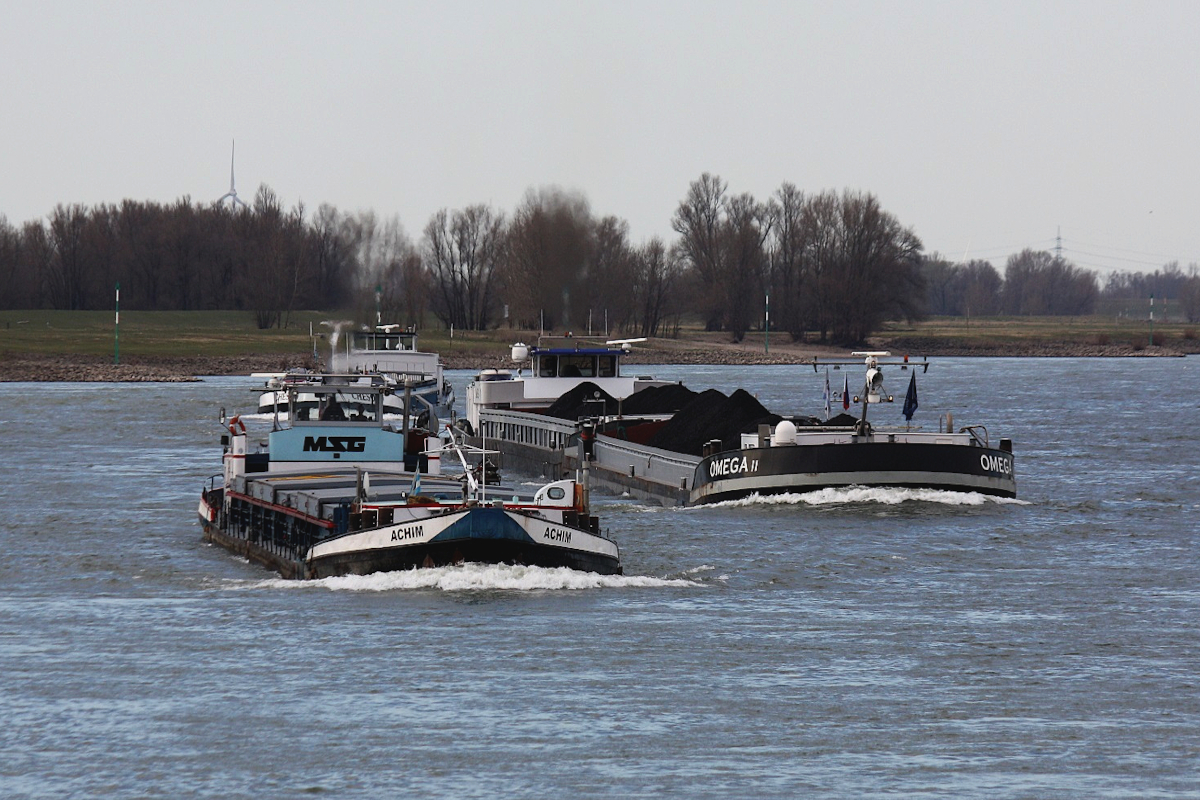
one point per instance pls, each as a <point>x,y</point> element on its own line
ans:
<point>403,534</point>
<point>557,535</point>
<point>996,464</point>
<point>731,465</point>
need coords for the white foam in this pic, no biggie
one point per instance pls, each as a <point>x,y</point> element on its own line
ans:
<point>475,577</point>
<point>871,494</point>
<point>256,417</point>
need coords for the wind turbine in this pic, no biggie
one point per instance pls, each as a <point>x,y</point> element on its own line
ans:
<point>234,200</point>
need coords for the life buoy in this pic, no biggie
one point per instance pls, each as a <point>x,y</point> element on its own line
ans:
<point>236,426</point>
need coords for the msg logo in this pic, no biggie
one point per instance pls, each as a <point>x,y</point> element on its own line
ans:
<point>335,444</point>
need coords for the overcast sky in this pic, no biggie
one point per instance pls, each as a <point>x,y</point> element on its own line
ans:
<point>985,127</point>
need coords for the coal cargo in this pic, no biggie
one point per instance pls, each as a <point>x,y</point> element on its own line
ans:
<point>585,400</point>
<point>712,415</point>
<point>658,400</point>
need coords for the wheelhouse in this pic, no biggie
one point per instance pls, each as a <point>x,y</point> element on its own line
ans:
<point>557,362</point>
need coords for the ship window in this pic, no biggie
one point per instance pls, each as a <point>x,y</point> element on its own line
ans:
<point>578,367</point>
<point>607,367</point>
<point>556,493</point>
<point>548,367</point>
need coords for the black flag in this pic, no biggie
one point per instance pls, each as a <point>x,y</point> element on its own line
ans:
<point>910,399</point>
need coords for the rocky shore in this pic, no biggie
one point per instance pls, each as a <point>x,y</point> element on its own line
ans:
<point>136,369</point>
<point>182,368</point>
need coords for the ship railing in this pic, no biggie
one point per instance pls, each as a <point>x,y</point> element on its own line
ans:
<point>974,430</point>
<point>653,464</point>
<point>523,427</point>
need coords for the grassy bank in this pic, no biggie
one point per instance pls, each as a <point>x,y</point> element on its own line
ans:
<point>156,336</point>
<point>1016,333</point>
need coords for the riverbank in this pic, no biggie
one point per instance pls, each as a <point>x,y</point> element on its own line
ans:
<point>57,367</point>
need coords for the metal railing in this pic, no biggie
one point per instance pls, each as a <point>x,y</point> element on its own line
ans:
<point>649,463</point>
<point>525,428</point>
<point>639,461</point>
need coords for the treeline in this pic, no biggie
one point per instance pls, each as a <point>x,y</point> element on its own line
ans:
<point>1168,283</point>
<point>552,263</point>
<point>185,256</point>
<point>1034,283</point>
<point>830,266</point>
<point>1040,283</point>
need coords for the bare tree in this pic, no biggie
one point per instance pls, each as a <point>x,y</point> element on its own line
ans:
<point>17,279</point>
<point>141,230</point>
<point>980,288</point>
<point>610,275</point>
<point>333,239</point>
<point>547,252</point>
<point>37,256</point>
<point>69,274</point>
<point>1037,283</point>
<point>940,281</point>
<point>391,262</point>
<point>461,252</point>
<point>961,289</point>
<point>743,265</point>
<point>1189,295</point>
<point>869,271</point>
<point>788,274</point>
<point>655,285</point>
<point>406,287</point>
<point>699,222</point>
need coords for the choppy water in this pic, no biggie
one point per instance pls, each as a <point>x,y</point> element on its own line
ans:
<point>839,644</point>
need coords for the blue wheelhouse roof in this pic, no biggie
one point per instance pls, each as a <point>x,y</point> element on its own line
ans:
<point>575,351</point>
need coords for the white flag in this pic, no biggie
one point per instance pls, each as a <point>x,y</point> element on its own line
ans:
<point>828,396</point>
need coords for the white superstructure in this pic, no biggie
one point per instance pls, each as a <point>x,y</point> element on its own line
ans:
<point>549,370</point>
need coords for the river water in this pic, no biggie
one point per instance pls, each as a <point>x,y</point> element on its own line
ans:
<point>880,643</point>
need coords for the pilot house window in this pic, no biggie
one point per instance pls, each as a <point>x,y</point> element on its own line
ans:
<point>578,367</point>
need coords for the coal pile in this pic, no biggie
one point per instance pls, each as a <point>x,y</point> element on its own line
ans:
<point>585,400</point>
<point>712,415</point>
<point>658,400</point>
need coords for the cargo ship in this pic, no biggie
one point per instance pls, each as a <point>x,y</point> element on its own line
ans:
<point>668,444</point>
<point>337,494</point>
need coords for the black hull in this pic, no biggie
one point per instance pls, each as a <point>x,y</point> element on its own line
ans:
<point>449,553</point>
<point>291,564</point>
<point>735,474</point>
<point>280,558</point>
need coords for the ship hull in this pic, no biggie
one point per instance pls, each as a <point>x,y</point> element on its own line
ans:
<point>493,535</point>
<point>483,534</point>
<point>735,474</point>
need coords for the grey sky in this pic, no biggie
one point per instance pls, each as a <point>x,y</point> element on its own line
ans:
<point>984,127</point>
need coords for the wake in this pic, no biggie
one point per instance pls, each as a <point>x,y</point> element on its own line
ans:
<point>869,494</point>
<point>474,577</point>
